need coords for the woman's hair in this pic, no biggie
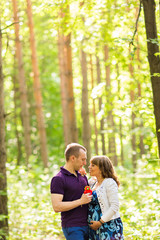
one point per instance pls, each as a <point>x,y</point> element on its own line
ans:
<point>106,167</point>
<point>73,149</point>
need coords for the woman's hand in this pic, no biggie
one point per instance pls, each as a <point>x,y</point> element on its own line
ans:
<point>95,225</point>
<point>82,171</point>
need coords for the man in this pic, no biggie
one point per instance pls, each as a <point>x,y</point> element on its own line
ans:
<point>67,196</point>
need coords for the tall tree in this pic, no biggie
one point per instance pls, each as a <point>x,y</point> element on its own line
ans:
<point>100,107</point>
<point>86,130</point>
<point>3,157</point>
<point>120,118</point>
<point>66,76</point>
<point>141,137</point>
<point>133,116</point>
<point>70,94</point>
<point>110,118</point>
<point>16,107</point>
<point>22,85</point>
<point>132,99</point>
<point>94,108</point>
<point>63,86</point>
<point>149,8</point>
<point>37,88</point>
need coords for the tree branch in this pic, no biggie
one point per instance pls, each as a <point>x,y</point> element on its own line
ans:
<point>9,26</point>
<point>140,5</point>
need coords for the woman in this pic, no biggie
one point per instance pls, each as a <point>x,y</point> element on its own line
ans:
<point>103,217</point>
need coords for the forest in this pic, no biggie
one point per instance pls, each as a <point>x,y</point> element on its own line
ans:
<point>85,71</point>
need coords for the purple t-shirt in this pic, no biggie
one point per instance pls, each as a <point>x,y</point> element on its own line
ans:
<point>72,188</point>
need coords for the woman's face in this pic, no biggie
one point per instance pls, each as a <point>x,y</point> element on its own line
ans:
<point>94,170</point>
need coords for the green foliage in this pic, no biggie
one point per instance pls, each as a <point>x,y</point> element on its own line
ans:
<point>30,211</point>
<point>139,201</point>
<point>31,215</point>
<point>92,25</point>
<point>3,193</point>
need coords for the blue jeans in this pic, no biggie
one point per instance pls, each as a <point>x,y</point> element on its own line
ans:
<point>76,233</point>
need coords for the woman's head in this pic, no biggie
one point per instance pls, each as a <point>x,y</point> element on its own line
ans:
<point>105,166</point>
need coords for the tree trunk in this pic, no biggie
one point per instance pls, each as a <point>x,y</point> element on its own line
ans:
<point>110,118</point>
<point>37,89</point>
<point>16,106</point>
<point>100,107</point>
<point>141,137</point>
<point>66,124</point>
<point>86,131</point>
<point>132,98</point>
<point>67,96</point>
<point>70,94</point>
<point>22,86</point>
<point>66,77</point>
<point>149,8</point>
<point>133,116</point>
<point>3,158</point>
<point>120,119</point>
<point>94,109</point>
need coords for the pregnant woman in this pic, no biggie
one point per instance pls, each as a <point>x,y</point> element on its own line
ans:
<point>103,217</point>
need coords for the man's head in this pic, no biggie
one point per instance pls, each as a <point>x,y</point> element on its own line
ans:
<point>76,154</point>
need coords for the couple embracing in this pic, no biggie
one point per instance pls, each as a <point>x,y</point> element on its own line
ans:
<point>87,216</point>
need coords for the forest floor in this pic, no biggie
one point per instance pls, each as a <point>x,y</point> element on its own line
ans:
<point>54,238</point>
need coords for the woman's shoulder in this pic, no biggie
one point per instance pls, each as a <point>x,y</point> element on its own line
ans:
<point>92,181</point>
<point>110,182</point>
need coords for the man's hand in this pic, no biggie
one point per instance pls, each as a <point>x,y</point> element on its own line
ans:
<point>86,198</point>
<point>95,225</point>
<point>60,206</point>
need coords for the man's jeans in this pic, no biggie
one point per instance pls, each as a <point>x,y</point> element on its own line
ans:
<point>76,233</point>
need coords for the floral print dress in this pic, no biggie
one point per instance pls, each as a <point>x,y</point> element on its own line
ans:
<point>112,230</point>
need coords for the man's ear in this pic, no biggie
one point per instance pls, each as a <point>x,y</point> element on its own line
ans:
<point>72,158</point>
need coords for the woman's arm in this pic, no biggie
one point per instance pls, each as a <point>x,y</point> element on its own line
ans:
<point>112,194</point>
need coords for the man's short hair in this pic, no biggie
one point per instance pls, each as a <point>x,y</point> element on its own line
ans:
<point>73,149</point>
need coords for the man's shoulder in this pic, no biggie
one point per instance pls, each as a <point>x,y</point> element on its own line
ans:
<point>59,175</point>
<point>57,183</point>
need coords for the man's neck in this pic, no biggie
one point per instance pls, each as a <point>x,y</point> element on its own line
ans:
<point>70,169</point>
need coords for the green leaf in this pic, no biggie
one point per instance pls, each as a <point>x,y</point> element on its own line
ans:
<point>157,54</point>
<point>3,193</point>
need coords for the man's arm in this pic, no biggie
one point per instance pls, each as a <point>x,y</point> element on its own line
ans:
<point>60,206</point>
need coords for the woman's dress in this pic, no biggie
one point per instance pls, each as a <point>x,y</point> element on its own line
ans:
<point>112,230</point>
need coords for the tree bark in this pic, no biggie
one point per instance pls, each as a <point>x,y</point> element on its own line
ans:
<point>16,106</point>
<point>22,86</point>
<point>3,158</point>
<point>141,137</point>
<point>66,77</point>
<point>111,125</point>
<point>149,8</point>
<point>37,88</point>
<point>120,119</point>
<point>94,109</point>
<point>86,130</point>
<point>133,116</point>
<point>70,94</point>
<point>100,107</point>
<point>67,95</point>
<point>63,87</point>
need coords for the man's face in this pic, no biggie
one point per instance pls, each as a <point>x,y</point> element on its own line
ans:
<point>81,160</point>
